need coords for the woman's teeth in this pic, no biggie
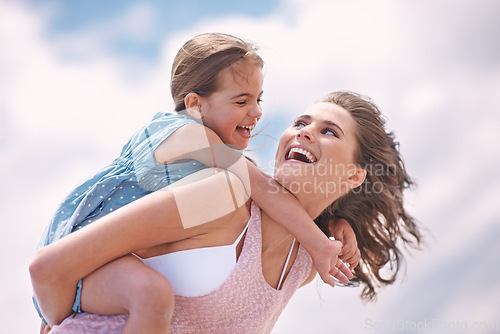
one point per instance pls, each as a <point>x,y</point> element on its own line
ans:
<point>298,153</point>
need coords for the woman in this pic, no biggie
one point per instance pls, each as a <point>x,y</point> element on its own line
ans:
<point>330,158</point>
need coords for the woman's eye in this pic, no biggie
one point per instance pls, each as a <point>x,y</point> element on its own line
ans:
<point>298,124</point>
<point>241,103</point>
<point>330,132</point>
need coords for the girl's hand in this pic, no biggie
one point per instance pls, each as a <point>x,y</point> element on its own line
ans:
<point>328,264</point>
<point>340,229</point>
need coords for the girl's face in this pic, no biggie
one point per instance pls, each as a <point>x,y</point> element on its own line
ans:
<point>315,156</point>
<point>234,109</point>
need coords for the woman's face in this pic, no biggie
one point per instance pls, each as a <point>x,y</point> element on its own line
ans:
<point>315,156</point>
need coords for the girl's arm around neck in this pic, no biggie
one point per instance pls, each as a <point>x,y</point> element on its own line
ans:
<point>195,141</point>
<point>285,209</point>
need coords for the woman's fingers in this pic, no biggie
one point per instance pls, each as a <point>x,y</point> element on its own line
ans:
<point>352,259</point>
<point>347,252</point>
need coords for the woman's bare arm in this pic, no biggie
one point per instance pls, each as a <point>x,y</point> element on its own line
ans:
<point>146,222</point>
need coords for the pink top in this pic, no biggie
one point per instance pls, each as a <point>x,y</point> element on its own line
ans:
<point>244,303</point>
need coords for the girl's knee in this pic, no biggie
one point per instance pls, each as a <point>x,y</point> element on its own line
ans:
<point>153,292</point>
<point>151,303</point>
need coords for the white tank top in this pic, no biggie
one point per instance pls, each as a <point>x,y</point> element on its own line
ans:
<point>199,271</point>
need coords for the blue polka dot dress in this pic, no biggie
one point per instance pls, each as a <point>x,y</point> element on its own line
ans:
<point>132,175</point>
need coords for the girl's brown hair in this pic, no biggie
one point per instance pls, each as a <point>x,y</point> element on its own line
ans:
<point>201,59</point>
<point>375,209</point>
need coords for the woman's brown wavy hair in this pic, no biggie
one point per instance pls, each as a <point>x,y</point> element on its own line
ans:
<point>375,209</point>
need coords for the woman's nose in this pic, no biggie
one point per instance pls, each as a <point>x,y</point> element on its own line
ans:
<point>306,133</point>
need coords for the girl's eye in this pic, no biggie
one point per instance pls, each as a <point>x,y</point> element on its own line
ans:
<point>259,100</point>
<point>241,103</point>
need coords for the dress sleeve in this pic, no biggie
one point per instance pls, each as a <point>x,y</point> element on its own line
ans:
<point>150,174</point>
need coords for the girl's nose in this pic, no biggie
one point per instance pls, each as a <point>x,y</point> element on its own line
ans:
<point>255,111</point>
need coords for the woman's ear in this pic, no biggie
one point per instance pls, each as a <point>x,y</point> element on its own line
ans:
<point>192,101</point>
<point>356,178</point>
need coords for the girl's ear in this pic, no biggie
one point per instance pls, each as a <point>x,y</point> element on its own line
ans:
<point>356,178</point>
<point>192,101</point>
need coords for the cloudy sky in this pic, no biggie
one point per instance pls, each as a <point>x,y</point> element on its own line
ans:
<point>77,78</point>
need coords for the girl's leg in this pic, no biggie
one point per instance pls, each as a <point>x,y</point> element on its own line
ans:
<point>127,285</point>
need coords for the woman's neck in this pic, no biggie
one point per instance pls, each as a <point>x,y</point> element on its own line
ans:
<point>313,205</point>
<point>273,233</point>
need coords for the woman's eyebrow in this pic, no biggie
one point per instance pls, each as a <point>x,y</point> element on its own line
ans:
<point>328,123</point>
<point>305,117</point>
<point>334,125</point>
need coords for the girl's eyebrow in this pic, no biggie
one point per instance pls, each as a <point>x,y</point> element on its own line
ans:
<point>308,118</point>
<point>245,94</point>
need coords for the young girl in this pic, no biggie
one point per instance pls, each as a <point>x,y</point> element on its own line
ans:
<point>216,85</point>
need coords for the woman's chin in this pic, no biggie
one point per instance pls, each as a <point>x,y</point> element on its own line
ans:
<point>292,176</point>
<point>294,170</point>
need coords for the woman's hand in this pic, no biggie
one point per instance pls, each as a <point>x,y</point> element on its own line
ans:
<point>340,229</point>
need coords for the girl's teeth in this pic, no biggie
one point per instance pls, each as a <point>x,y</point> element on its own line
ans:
<point>247,128</point>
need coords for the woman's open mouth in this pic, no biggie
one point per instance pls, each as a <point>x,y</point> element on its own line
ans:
<point>300,154</point>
